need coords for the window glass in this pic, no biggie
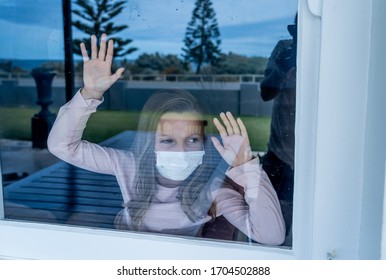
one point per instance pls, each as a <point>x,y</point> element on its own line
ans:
<point>157,155</point>
<point>32,54</point>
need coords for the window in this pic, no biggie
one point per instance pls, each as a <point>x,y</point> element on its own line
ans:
<point>238,100</point>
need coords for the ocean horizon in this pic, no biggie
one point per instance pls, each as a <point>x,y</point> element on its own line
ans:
<point>29,64</point>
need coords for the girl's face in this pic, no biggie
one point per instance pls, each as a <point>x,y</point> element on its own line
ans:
<point>180,132</point>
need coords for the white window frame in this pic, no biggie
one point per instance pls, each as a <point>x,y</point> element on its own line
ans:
<point>322,228</point>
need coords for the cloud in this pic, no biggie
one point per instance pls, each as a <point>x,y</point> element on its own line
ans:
<point>157,26</point>
<point>43,13</point>
<point>153,25</point>
<point>141,13</point>
<point>251,39</point>
<point>28,42</point>
<point>241,12</point>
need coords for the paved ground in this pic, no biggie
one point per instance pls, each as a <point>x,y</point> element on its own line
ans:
<point>19,159</point>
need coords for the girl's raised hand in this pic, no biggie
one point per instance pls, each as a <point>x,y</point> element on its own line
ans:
<point>235,148</point>
<point>97,76</point>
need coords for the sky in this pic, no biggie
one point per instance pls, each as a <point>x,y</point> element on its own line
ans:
<point>32,29</point>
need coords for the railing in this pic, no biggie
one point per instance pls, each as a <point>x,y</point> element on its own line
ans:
<point>223,78</point>
<point>13,76</point>
<point>196,78</point>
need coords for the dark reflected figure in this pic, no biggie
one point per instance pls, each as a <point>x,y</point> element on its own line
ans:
<point>168,181</point>
<point>279,85</point>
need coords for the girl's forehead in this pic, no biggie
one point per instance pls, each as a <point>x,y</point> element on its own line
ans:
<point>185,116</point>
<point>185,123</point>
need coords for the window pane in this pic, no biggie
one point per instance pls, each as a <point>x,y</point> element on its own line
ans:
<point>162,164</point>
<point>32,54</point>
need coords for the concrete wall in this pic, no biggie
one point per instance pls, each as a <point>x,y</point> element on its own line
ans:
<point>241,100</point>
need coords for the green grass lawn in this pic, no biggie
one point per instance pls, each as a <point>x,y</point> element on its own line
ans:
<point>16,124</point>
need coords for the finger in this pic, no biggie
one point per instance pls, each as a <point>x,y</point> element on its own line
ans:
<point>115,77</point>
<point>217,145</point>
<point>220,128</point>
<point>110,50</point>
<point>233,122</point>
<point>84,52</point>
<point>102,48</point>
<point>226,123</point>
<point>94,49</point>
<point>243,129</point>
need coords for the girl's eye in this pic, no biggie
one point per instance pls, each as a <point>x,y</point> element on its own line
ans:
<point>166,141</point>
<point>193,140</point>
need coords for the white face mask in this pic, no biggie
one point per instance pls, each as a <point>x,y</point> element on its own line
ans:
<point>178,166</point>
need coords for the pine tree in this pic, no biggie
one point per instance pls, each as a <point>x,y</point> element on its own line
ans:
<point>202,37</point>
<point>97,18</point>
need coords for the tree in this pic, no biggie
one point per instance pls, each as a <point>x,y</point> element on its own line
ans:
<point>161,64</point>
<point>6,66</point>
<point>97,18</point>
<point>155,64</point>
<point>233,63</point>
<point>202,37</point>
<point>57,66</point>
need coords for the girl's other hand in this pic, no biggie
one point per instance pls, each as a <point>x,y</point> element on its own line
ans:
<point>236,148</point>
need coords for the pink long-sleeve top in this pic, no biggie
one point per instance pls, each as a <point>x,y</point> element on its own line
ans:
<point>255,211</point>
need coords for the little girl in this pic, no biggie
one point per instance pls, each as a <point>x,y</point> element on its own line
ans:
<point>168,181</point>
